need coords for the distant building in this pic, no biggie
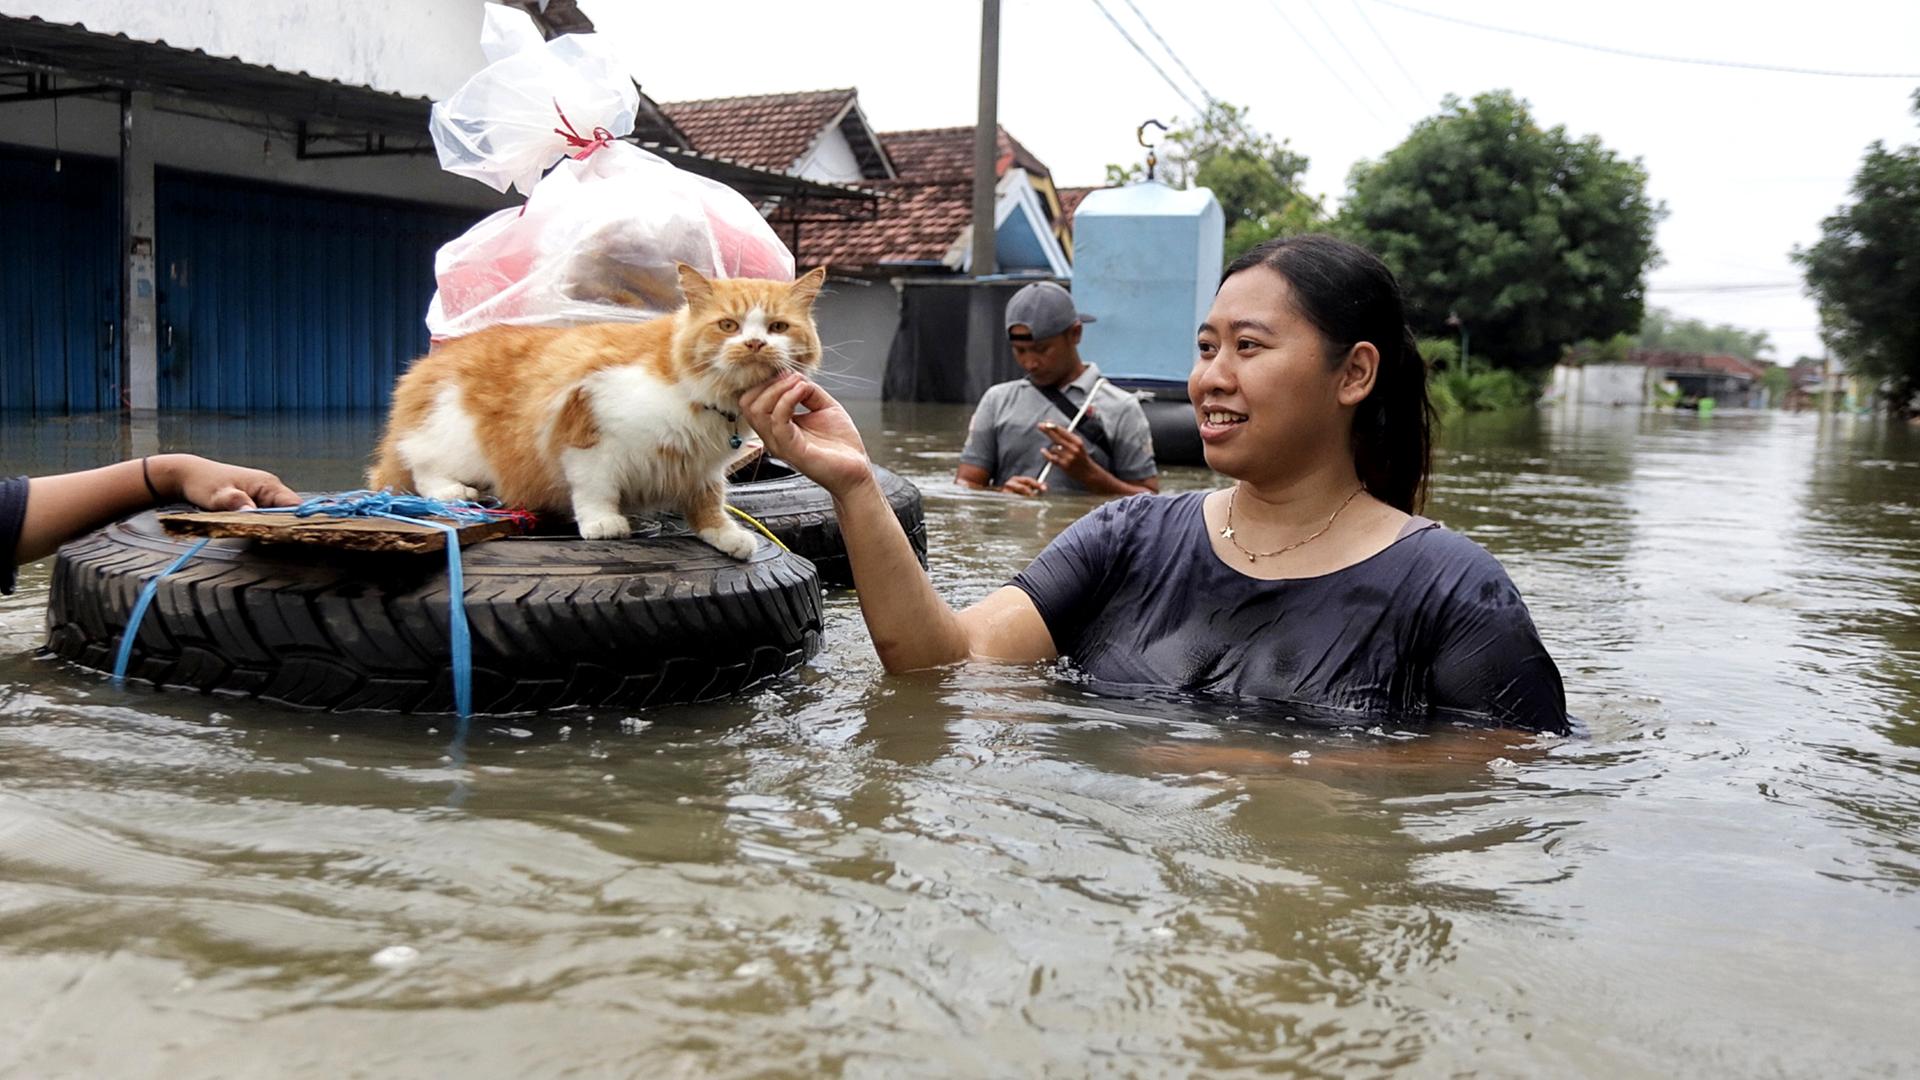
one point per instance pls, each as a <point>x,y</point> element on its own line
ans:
<point>1730,381</point>
<point>818,134</point>
<point>928,227</point>
<point>1806,381</point>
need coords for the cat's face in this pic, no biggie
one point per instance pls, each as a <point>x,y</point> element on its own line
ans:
<point>744,331</point>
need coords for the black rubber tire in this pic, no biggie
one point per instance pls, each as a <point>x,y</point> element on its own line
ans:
<point>800,513</point>
<point>1176,434</point>
<point>555,621</point>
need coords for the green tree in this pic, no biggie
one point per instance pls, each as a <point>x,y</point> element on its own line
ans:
<point>1536,240</point>
<point>1617,349</point>
<point>1662,329</point>
<point>1865,271</point>
<point>1256,178</point>
<point>1778,381</point>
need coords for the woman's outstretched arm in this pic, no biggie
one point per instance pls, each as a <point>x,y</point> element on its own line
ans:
<point>62,507</point>
<point>911,626</point>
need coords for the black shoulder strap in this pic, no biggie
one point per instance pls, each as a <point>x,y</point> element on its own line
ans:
<point>1090,427</point>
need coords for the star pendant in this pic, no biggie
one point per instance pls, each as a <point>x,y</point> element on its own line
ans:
<point>1226,532</point>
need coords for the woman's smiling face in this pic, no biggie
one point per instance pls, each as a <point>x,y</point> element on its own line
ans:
<point>1269,401</point>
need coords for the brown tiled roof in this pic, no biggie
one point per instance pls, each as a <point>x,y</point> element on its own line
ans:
<point>947,154</point>
<point>771,131</point>
<point>916,222</point>
<point>1718,363</point>
<point>1021,156</point>
<point>1070,201</point>
<point>923,212</point>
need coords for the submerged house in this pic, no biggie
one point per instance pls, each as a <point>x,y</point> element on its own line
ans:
<point>1729,380</point>
<point>235,206</point>
<point>1648,373</point>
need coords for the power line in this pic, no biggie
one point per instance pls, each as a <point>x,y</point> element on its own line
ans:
<point>1357,65</point>
<point>1744,286</point>
<point>1331,70</point>
<point>1647,55</point>
<point>1391,55</point>
<point>1142,16</point>
<point>1150,61</point>
<point>1212,101</point>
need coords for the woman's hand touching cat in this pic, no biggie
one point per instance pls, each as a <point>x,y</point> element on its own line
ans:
<point>822,443</point>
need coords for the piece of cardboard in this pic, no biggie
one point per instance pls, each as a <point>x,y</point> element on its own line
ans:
<point>354,534</point>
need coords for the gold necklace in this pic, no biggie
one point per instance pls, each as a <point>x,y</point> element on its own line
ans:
<point>1226,531</point>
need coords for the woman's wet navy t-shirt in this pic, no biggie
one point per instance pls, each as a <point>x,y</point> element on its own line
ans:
<point>1431,627</point>
<point>13,515</point>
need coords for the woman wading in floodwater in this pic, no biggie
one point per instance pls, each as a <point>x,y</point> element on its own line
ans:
<point>1311,582</point>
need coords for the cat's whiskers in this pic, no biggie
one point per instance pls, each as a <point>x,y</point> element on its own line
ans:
<point>841,378</point>
<point>824,373</point>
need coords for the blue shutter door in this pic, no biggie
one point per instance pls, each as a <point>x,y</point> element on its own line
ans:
<point>59,284</point>
<point>282,298</point>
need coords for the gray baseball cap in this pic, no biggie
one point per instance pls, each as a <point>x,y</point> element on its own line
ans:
<point>1045,309</point>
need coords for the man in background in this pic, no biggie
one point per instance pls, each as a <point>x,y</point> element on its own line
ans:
<point>1020,426</point>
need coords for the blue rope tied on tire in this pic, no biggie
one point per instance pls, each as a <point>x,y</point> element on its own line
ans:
<point>140,611</point>
<point>363,503</point>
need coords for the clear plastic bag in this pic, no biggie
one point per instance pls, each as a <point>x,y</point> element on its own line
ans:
<point>599,235</point>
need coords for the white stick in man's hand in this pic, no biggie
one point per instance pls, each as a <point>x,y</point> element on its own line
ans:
<point>1075,422</point>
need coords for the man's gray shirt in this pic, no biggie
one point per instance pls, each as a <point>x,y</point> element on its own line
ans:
<point>1004,437</point>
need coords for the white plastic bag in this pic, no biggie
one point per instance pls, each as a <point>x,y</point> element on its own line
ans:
<point>599,235</point>
<point>499,128</point>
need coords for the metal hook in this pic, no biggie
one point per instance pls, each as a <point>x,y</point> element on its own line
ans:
<point>1140,136</point>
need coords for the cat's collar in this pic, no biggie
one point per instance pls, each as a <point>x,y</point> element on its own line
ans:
<point>732,418</point>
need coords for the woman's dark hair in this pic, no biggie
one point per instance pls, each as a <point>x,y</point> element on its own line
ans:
<point>1350,296</point>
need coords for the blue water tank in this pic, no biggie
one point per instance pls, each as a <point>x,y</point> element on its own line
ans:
<point>1146,262</point>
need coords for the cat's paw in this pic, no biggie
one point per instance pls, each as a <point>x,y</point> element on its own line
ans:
<point>605,527</point>
<point>732,540</point>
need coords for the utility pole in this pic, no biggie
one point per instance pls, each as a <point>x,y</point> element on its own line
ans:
<point>985,337</point>
<point>986,140</point>
<point>1826,377</point>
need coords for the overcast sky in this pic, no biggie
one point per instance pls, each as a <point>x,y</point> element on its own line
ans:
<point>1747,162</point>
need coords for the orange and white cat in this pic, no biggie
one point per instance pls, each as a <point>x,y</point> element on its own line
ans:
<point>601,419</point>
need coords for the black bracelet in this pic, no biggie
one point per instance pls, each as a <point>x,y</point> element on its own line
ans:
<point>148,477</point>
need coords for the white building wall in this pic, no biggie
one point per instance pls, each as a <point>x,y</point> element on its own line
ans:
<point>1600,384</point>
<point>421,48</point>
<point>831,160</point>
<point>857,319</point>
<point>263,151</point>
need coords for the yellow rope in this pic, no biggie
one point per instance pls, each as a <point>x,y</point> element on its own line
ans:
<point>751,520</point>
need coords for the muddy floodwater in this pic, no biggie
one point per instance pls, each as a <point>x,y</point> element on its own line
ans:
<point>993,872</point>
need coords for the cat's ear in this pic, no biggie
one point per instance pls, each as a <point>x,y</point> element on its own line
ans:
<point>806,287</point>
<point>695,287</point>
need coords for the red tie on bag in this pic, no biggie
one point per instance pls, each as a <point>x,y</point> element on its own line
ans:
<point>583,147</point>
